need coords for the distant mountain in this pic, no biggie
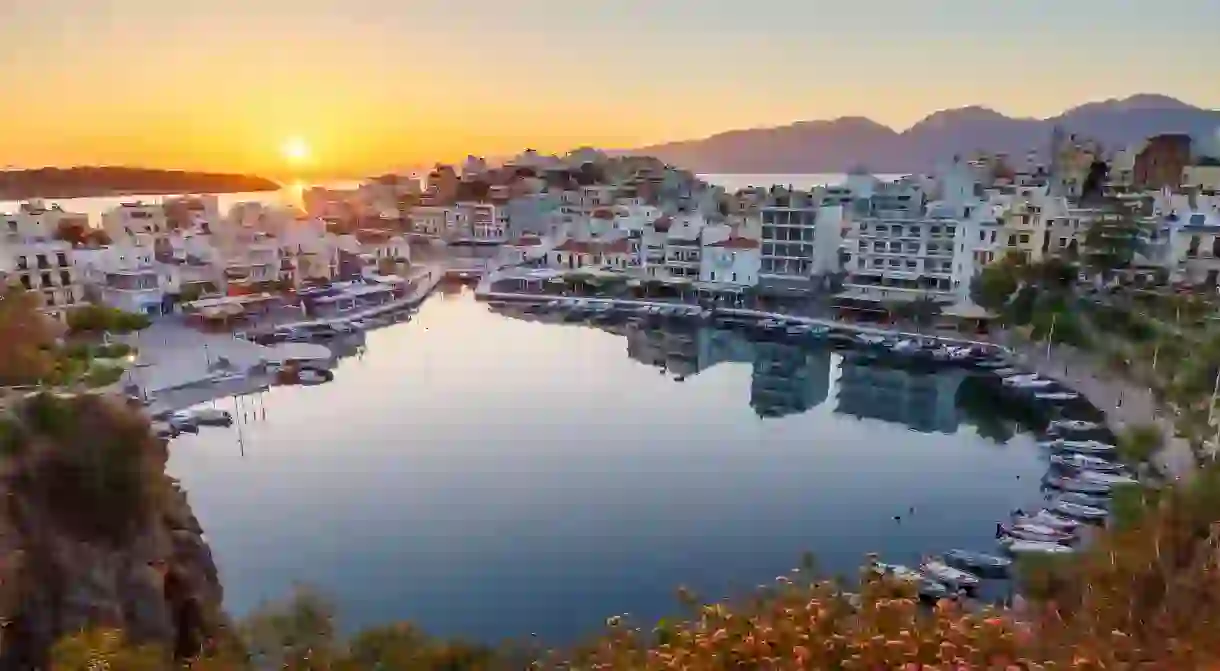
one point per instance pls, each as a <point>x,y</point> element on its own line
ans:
<point>83,182</point>
<point>842,144</point>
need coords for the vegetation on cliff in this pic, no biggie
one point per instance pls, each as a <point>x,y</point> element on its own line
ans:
<point>81,182</point>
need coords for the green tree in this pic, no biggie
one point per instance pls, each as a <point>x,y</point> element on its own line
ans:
<point>27,339</point>
<point>1113,239</point>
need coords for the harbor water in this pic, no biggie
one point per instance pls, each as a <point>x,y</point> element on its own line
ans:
<point>491,476</point>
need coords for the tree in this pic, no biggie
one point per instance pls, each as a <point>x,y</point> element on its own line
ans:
<point>1113,238</point>
<point>994,287</point>
<point>27,339</point>
<point>100,318</point>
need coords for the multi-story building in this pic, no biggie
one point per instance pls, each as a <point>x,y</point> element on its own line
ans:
<point>733,260</point>
<point>800,241</point>
<point>902,252</point>
<point>129,220</point>
<point>1161,162</point>
<point>45,267</point>
<point>127,277</point>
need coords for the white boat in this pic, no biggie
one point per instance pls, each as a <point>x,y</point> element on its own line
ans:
<point>1045,518</point>
<point>1036,383</point>
<point>899,571</point>
<point>953,577</point>
<point>209,416</point>
<point>1106,478</point>
<point>1093,447</point>
<point>1073,425</point>
<point>1017,546</point>
<point>1056,396</point>
<point>1077,461</point>
<point>1078,510</point>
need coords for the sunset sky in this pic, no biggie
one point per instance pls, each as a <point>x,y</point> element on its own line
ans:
<point>380,84</point>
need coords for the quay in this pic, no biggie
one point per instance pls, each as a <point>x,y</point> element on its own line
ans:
<point>833,325</point>
<point>423,282</point>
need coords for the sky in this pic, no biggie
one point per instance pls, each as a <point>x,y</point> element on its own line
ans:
<point>370,85</point>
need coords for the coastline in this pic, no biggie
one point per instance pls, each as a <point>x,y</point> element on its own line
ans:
<point>122,193</point>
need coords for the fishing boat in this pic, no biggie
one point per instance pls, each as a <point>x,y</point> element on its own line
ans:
<point>978,562</point>
<point>1056,396</point>
<point>943,573</point>
<point>1077,485</point>
<point>1077,461</point>
<point>1046,518</point>
<point>1093,501</point>
<point>1063,425</point>
<point>1094,447</point>
<point>1017,546</point>
<point>1034,533</point>
<point>1104,478</point>
<point>1078,510</point>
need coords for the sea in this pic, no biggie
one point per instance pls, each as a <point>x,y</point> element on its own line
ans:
<point>488,476</point>
<point>291,193</point>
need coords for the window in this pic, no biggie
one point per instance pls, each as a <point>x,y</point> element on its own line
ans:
<point>993,236</point>
<point>877,263</point>
<point>713,276</point>
<point>61,258</point>
<point>982,236</point>
<point>42,261</point>
<point>65,277</point>
<point>46,280</point>
<point>1012,241</point>
<point>734,277</point>
<point>1024,238</point>
<point>1063,242</point>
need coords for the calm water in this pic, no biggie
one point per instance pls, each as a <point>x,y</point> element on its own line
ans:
<point>493,477</point>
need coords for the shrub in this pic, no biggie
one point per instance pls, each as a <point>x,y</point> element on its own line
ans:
<point>102,375</point>
<point>99,318</point>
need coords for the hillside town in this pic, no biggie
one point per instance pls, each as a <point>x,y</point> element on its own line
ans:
<point>867,241</point>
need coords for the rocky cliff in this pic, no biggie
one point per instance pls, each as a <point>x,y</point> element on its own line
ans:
<point>94,533</point>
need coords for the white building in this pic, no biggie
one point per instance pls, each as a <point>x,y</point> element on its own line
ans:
<point>34,220</point>
<point>897,251</point>
<point>44,267</point>
<point>127,277</point>
<point>128,220</point>
<point>733,260</point>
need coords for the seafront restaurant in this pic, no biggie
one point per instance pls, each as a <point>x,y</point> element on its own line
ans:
<point>224,311</point>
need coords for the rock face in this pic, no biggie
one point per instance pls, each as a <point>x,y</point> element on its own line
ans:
<point>94,533</point>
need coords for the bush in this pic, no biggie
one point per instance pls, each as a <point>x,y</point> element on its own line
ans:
<point>99,318</point>
<point>102,375</point>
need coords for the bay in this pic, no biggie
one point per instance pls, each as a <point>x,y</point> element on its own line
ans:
<point>492,477</point>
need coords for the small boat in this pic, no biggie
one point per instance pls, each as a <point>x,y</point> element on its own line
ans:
<point>1046,518</point>
<point>1077,461</point>
<point>1018,546</point>
<point>211,417</point>
<point>1103,478</point>
<point>991,364</point>
<point>1056,396</point>
<point>314,375</point>
<point>1093,447</point>
<point>948,575</point>
<point>1043,534</point>
<point>1078,486</point>
<point>1060,425</point>
<point>1034,383</point>
<point>1078,510</point>
<point>1091,500</point>
<point>978,562</point>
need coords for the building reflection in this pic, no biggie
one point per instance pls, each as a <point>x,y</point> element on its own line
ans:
<point>790,379</point>
<point>924,401</point>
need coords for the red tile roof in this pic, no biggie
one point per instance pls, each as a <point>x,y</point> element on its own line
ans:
<point>603,213</point>
<point>621,246</point>
<point>736,243</point>
<point>527,241</point>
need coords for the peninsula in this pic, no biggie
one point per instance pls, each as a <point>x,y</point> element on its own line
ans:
<point>86,181</point>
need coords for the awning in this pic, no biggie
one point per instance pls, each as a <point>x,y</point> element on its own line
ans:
<point>967,310</point>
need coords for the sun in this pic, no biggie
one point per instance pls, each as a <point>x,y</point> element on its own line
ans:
<point>295,150</point>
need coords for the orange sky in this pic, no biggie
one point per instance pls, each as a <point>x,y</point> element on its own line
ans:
<point>379,84</point>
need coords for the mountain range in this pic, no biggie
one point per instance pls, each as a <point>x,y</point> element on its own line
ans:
<point>842,144</point>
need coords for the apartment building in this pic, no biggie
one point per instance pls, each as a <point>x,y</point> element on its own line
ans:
<point>800,241</point>
<point>127,277</point>
<point>129,220</point>
<point>46,268</point>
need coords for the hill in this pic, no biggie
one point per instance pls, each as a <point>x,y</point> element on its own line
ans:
<point>842,144</point>
<point>81,182</point>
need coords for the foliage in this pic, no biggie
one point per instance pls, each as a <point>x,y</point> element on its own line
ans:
<point>97,470</point>
<point>104,650</point>
<point>994,286</point>
<point>27,339</point>
<point>1138,444</point>
<point>1112,240</point>
<point>102,375</point>
<point>99,318</point>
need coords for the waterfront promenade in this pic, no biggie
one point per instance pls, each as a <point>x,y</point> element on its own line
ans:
<point>179,366</point>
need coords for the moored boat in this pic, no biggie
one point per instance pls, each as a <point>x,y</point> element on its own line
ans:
<point>1059,425</point>
<point>1078,461</point>
<point>1091,500</point>
<point>953,577</point>
<point>1019,546</point>
<point>1101,477</point>
<point>978,562</point>
<point>1043,534</point>
<point>1048,519</point>
<point>1078,510</point>
<point>1078,486</point>
<point>1093,447</point>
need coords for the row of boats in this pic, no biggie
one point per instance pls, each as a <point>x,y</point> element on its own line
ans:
<point>1083,472</point>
